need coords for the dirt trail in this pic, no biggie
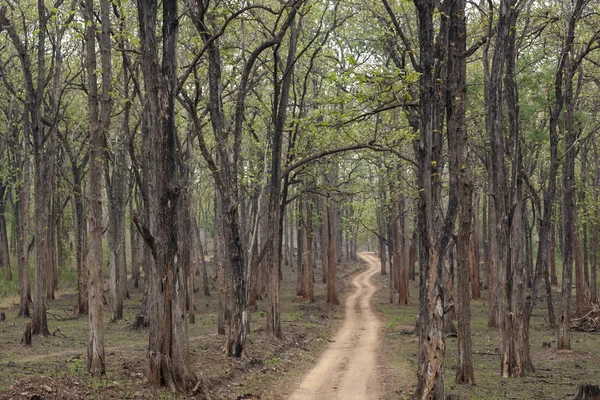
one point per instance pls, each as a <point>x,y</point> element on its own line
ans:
<point>347,369</point>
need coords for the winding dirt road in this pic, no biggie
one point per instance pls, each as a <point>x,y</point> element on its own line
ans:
<point>347,369</point>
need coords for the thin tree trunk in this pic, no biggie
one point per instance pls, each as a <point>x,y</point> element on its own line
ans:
<point>98,124</point>
<point>324,239</point>
<point>202,257</point>
<point>404,288</point>
<point>580,306</point>
<point>486,246</point>
<point>494,274</point>
<point>307,276</point>
<point>594,268</point>
<point>332,297</point>
<point>468,237</point>
<point>553,275</point>
<point>23,226</point>
<point>135,250</point>
<point>4,250</point>
<point>474,253</point>
<point>564,320</point>
<point>80,243</point>
<point>116,190</point>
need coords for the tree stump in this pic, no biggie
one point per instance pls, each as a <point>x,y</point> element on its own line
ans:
<point>587,392</point>
<point>26,338</point>
<point>452,397</point>
<point>139,323</point>
<point>2,316</point>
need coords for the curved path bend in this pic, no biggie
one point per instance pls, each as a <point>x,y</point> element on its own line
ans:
<point>347,369</point>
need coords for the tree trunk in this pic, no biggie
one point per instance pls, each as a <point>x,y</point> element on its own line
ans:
<point>99,120</point>
<point>332,297</point>
<point>39,323</point>
<point>381,247</point>
<point>553,275</point>
<point>168,348</point>
<point>4,250</point>
<point>494,274</point>
<point>116,190</point>
<point>457,92</point>
<point>23,237</point>
<point>223,315</point>
<point>324,239</point>
<point>413,254</point>
<point>307,276</point>
<point>594,268</point>
<point>474,249</point>
<point>564,320</point>
<point>202,257</point>
<point>580,306</point>
<point>134,239</point>
<point>587,392</point>
<point>404,288</point>
<point>486,246</point>
<point>430,372</point>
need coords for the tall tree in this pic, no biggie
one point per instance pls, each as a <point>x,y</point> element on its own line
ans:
<point>99,109</point>
<point>457,150</point>
<point>430,372</point>
<point>168,348</point>
<point>569,64</point>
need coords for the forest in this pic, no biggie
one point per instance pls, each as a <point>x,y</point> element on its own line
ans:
<point>218,199</point>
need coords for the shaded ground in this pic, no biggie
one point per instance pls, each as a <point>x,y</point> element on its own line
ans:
<point>347,369</point>
<point>55,366</point>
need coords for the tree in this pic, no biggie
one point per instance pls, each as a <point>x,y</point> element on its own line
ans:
<point>168,349</point>
<point>99,108</point>
<point>430,370</point>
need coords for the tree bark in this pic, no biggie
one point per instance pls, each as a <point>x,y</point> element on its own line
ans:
<point>168,348</point>
<point>23,227</point>
<point>553,275</point>
<point>4,250</point>
<point>275,212</point>
<point>332,297</point>
<point>567,64</point>
<point>474,253</point>
<point>430,372</point>
<point>116,187</point>
<point>307,276</point>
<point>99,109</point>
<point>134,244</point>
<point>564,320</point>
<point>580,306</point>
<point>457,151</point>
<point>324,238</point>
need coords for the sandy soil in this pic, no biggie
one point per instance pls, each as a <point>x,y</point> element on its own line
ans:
<point>347,369</point>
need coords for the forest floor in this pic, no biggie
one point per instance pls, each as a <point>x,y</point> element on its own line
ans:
<point>55,367</point>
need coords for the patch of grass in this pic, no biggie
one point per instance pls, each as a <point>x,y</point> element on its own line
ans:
<point>9,288</point>
<point>272,362</point>
<point>77,365</point>
<point>295,315</point>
